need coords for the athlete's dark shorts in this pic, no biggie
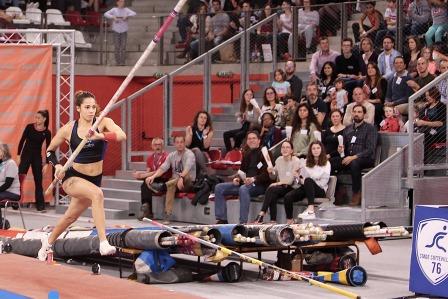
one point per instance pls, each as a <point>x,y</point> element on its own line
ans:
<point>96,180</point>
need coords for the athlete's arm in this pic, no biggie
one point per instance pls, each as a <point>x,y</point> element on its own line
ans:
<point>110,126</point>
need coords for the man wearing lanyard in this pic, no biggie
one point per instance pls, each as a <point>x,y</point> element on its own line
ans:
<point>153,163</point>
<point>360,140</point>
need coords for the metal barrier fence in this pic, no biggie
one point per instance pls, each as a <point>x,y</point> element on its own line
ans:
<point>296,33</point>
<point>428,115</point>
<point>385,185</point>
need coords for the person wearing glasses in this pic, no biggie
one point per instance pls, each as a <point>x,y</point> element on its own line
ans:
<point>154,161</point>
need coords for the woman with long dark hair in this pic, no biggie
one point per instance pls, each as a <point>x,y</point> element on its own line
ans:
<point>82,181</point>
<point>375,87</point>
<point>412,54</point>
<point>326,80</point>
<point>198,138</point>
<point>313,177</point>
<point>304,124</point>
<point>330,140</point>
<point>247,116</point>
<point>29,153</point>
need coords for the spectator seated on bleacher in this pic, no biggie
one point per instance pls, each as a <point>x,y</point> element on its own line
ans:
<point>198,138</point>
<point>313,178</point>
<point>390,123</point>
<point>330,12</point>
<point>341,93</point>
<point>321,56</point>
<point>308,21</point>
<point>4,18</point>
<point>443,85</point>
<point>439,15</point>
<point>270,135</point>
<point>183,166</point>
<point>347,65</point>
<point>251,180</point>
<point>192,38</point>
<point>398,91</point>
<point>369,23</point>
<point>326,80</point>
<point>283,174</point>
<point>264,32</point>
<point>247,116</point>
<point>432,65</point>
<point>284,29</point>
<point>281,86</point>
<point>423,78</point>
<point>418,18</point>
<point>386,59</point>
<point>330,140</point>
<point>153,163</point>
<point>360,140</point>
<point>220,24</point>
<point>432,122</point>
<point>304,126</point>
<point>368,55</point>
<point>359,98</point>
<point>390,18</point>
<point>317,105</point>
<point>247,12</point>
<point>375,87</point>
<point>271,104</point>
<point>295,82</point>
<point>289,109</point>
<point>413,53</point>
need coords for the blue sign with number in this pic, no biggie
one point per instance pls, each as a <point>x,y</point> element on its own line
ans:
<point>429,260</point>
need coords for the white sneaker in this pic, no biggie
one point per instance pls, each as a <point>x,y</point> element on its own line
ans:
<point>43,251</point>
<point>307,215</point>
<point>106,248</point>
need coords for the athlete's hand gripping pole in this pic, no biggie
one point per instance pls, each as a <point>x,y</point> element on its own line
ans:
<point>252,260</point>
<point>123,86</point>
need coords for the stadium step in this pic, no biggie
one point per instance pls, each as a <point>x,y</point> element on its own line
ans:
<point>109,213</point>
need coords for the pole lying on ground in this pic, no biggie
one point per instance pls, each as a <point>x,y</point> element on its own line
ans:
<point>256,261</point>
<point>123,85</point>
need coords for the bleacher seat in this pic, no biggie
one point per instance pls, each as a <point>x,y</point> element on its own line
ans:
<point>328,200</point>
<point>17,14</point>
<point>55,17</point>
<point>80,42</point>
<point>34,15</point>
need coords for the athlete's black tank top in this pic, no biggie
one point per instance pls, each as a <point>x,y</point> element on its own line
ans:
<point>93,150</point>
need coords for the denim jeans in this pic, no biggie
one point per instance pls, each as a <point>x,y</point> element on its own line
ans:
<point>435,33</point>
<point>245,193</point>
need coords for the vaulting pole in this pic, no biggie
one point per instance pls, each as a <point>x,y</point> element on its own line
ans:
<point>252,260</point>
<point>123,85</point>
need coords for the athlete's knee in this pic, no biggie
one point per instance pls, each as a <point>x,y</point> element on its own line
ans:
<point>97,195</point>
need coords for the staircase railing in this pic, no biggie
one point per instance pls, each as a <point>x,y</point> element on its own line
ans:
<point>202,65</point>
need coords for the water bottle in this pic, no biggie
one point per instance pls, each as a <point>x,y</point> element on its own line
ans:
<point>50,256</point>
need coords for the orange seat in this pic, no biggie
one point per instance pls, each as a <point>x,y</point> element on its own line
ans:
<point>18,203</point>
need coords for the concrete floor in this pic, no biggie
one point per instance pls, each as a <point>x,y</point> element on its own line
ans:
<point>388,272</point>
